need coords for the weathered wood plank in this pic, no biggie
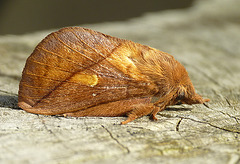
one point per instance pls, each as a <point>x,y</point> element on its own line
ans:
<point>205,38</point>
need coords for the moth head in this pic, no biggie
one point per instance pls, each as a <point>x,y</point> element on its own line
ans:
<point>187,95</point>
<point>184,92</point>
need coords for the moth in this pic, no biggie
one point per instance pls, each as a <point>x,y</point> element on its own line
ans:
<point>80,72</point>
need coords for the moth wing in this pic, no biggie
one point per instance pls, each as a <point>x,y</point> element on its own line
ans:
<point>121,108</point>
<point>84,90</point>
<point>77,68</point>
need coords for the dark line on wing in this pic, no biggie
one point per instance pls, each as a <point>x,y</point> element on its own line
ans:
<point>98,62</point>
<point>99,53</point>
<point>73,49</point>
<point>72,61</point>
<point>53,53</point>
<point>84,68</point>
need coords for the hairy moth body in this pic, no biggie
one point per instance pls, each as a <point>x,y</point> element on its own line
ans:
<point>81,72</point>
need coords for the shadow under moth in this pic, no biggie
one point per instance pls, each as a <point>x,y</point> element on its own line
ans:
<point>80,72</point>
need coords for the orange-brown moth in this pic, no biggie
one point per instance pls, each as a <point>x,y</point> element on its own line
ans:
<point>80,72</point>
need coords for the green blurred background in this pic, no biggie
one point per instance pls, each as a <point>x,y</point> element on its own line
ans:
<point>23,16</point>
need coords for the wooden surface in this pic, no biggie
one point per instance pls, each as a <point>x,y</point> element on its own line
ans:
<point>204,38</point>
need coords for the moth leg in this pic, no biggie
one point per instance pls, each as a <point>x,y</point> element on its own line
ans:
<point>154,112</point>
<point>140,110</point>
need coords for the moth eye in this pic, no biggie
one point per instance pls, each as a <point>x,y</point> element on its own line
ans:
<point>179,103</point>
<point>181,96</point>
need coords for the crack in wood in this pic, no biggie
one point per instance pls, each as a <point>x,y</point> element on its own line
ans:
<point>203,122</point>
<point>228,102</point>
<point>116,140</point>
<point>18,78</point>
<point>178,124</point>
<point>230,116</point>
<point>8,92</point>
<point>56,136</point>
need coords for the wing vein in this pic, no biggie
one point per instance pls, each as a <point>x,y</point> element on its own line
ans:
<point>99,53</point>
<point>56,54</point>
<point>53,53</point>
<point>59,68</point>
<point>75,50</point>
<point>89,67</point>
<point>30,86</point>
